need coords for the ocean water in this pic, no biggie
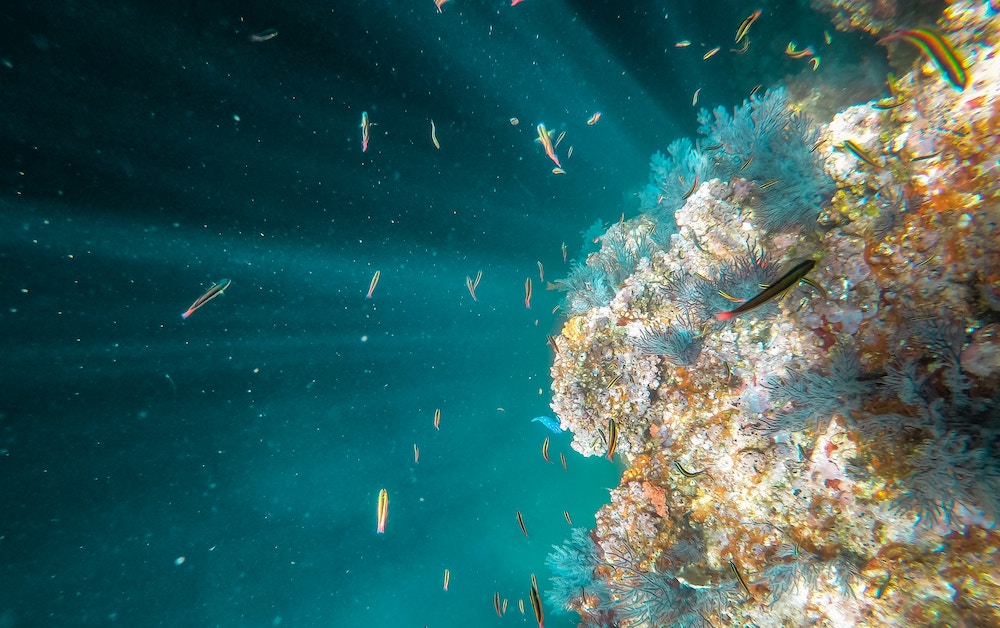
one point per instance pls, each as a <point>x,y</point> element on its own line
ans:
<point>223,470</point>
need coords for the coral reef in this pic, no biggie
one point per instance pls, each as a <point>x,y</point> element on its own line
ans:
<point>830,458</point>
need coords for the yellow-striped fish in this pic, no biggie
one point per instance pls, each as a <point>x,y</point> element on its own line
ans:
<point>383,511</point>
<point>612,439</point>
<point>852,147</point>
<point>536,603</point>
<point>936,46</point>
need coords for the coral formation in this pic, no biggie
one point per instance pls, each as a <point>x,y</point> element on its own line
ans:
<point>831,458</point>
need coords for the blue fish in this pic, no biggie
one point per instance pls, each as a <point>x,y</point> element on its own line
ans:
<point>550,423</point>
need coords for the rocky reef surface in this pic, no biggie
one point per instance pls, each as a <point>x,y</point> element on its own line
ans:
<point>831,457</point>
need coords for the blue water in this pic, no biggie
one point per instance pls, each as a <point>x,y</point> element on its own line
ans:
<point>224,470</point>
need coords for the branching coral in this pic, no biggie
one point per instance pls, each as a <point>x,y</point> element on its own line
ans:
<point>807,400</point>
<point>765,142</point>
<point>672,178</point>
<point>678,345</point>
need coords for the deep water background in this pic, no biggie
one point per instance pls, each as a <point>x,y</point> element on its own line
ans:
<point>223,470</point>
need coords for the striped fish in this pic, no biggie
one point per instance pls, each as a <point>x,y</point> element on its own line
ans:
<point>935,45</point>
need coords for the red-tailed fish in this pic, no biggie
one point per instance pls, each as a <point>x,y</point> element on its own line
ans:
<point>792,277</point>
<point>217,288</point>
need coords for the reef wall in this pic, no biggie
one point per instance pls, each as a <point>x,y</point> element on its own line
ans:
<point>831,457</point>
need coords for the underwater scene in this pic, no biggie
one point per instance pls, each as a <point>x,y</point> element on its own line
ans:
<point>450,313</point>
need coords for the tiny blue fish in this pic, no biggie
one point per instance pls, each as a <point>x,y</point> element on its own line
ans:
<point>550,423</point>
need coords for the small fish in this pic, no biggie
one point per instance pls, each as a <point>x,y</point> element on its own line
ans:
<point>447,578</point>
<point>562,459</point>
<point>383,511</point>
<point>520,522</point>
<point>566,516</point>
<point>612,439</point>
<point>792,51</point>
<point>541,272</point>
<point>558,171</point>
<point>265,35</point>
<point>694,186</point>
<point>503,607</point>
<point>496,604</point>
<point>374,282</point>
<point>935,45</point>
<point>219,287</point>
<point>711,53</point>
<point>514,3</point>
<point>434,137</point>
<point>559,139</point>
<point>792,277</point>
<point>365,131</point>
<point>684,43</point>
<point>755,89</point>
<point>767,184</point>
<point>827,38</point>
<point>439,4</point>
<point>416,453</point>
<point>852,147</point>
<point>471,286</point>
<point>694,100</point>
<point>479,277</point>
<point>520,606</point>
<point>814,63</point>
<point>887,104</point>
<point>739,577</point>
<point>592,120</point>
<point>536,603</point>
<point>728,297</point>
<point>614,380</point>
<point>553,343</point>
<point>545,450</point>
<point>437,418</point>
<point>546,140</point>
<point>685,472</point>
<point>527,293</point>
<point>569,152</point>
<point>747,163</point>
<point>550,423</point>
<point>741,32</point>
<point>564,252</point>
